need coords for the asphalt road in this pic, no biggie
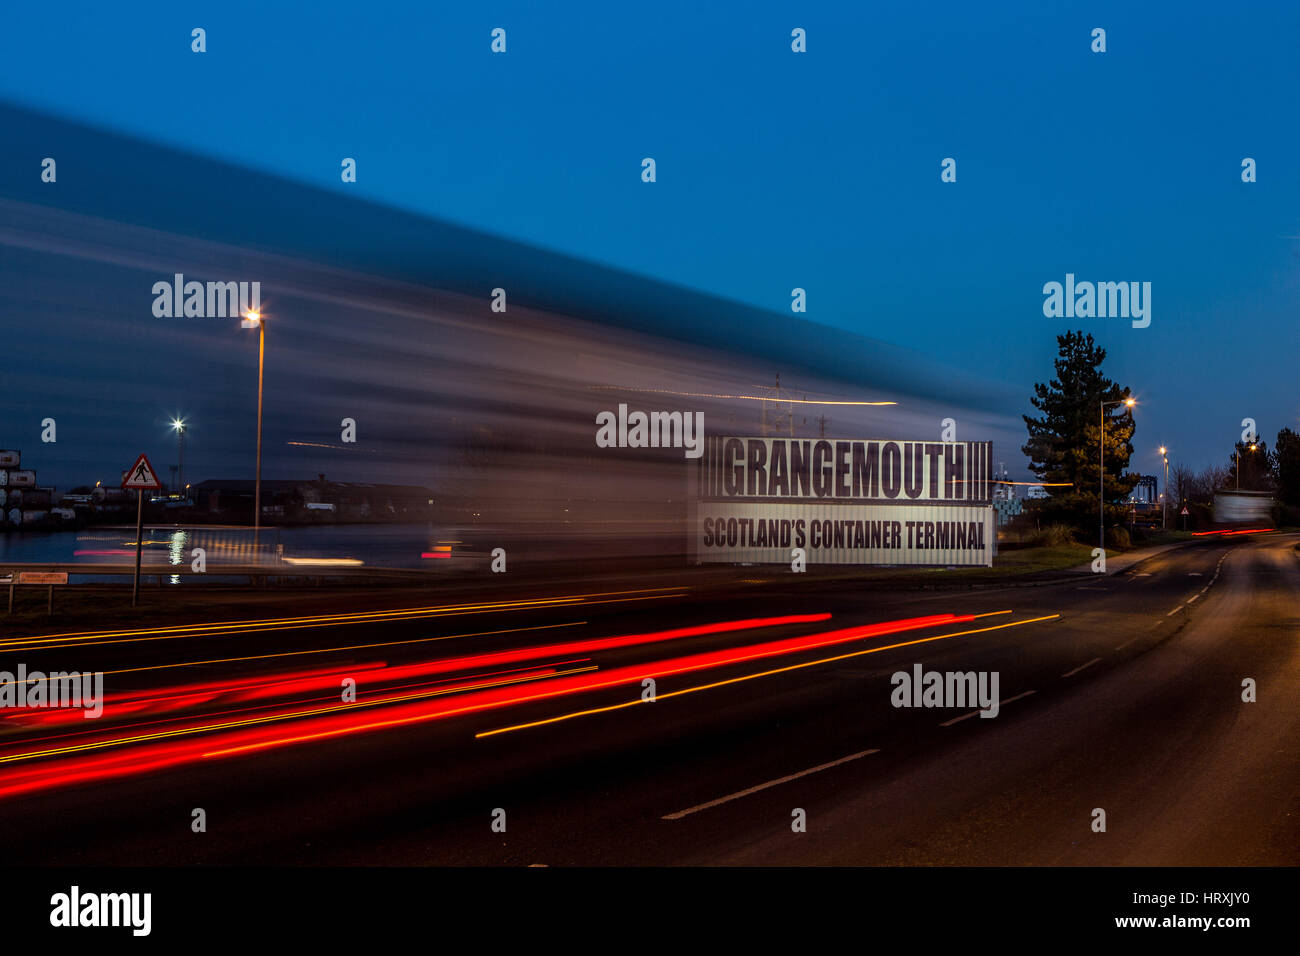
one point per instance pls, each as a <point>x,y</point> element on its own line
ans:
<point>1121,693</point>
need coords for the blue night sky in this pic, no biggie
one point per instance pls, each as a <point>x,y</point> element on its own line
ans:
<point>777,170</point>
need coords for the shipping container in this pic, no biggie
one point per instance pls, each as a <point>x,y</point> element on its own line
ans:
<point>9,459</point>
<point>22,479</point>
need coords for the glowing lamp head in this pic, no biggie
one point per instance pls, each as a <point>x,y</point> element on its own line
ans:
<point>1162,449</point>
<point>1253,447</point>
<point>1130,402</point>
<point>178,424</point>
<point>251,319</point>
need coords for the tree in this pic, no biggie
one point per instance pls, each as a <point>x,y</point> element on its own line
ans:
<point>1181,481</point>
<point>1208,480</point>
<point>1063,447</point>
<point>1286,466</point>
<point>1250,466</point>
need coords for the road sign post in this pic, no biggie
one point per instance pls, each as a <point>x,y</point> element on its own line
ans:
<point>142,478</point>
<point>139,546</point>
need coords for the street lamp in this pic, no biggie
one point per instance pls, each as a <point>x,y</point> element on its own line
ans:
<point>1101,503</point>
<point>1237,455</point>
<point>178,425</point>
<point>253,320</point>
<point>1164,499</point>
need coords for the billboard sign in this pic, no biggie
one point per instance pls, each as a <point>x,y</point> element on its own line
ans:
<point>844,501</point>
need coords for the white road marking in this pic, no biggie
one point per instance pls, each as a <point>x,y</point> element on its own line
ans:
<point>1142,574</point>
<point>1081,667</point>
<point>1092,589</point>
<point>763,786</point>
<point>1174,611</point>
<point>1001,703</point>
<point>1131,640</point>
<point>1193,574</point>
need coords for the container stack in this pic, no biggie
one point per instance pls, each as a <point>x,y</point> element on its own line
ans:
<point>22,502</point>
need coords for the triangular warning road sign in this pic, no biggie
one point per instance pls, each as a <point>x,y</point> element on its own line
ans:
<point>141,476</point>
<point>1184,511</point>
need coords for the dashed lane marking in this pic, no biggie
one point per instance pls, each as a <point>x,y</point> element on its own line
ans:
<point>1081,667</point>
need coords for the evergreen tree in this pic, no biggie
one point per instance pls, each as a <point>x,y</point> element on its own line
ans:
<point>1286,466</point>
<point>1063,447</point>
<point>1250,466</point>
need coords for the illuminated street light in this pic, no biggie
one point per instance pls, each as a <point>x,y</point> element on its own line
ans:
<point>178,425</point>
<point>1164,499</point>
<point>1101,440</point>
<point>253,320</point>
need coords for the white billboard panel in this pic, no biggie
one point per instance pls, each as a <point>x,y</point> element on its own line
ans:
<point>857,470</point>
<point>844,502</point>
<point>749,532</point>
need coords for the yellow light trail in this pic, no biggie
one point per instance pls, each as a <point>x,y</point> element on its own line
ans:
<point>327,650</point>
<point>324,562</point>
<point>295,627</point>
<point>292,623</point>
<point>767,673</point>
<point>1042,484</point>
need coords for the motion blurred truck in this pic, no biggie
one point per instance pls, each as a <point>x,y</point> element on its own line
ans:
<point>1243,509</point>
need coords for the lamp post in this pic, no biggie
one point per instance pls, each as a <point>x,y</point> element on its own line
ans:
<point>178,424</point>
<point>1164,499</point>
<point>1101,503</point>
<point>253,319</point>
<point>1237,454</point>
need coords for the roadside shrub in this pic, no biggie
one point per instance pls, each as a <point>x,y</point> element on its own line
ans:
<point>1054,535</point>
<point>1286,516</point>
<point>1118,538</point>
<point>1060,534</point>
